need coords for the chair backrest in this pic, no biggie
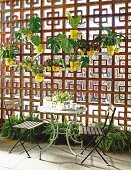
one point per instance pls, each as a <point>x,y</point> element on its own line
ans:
<point>109,118</point>
<point>11,104</point>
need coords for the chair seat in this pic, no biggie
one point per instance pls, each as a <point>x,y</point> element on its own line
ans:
<point>28,125</point>
<point>90,130</point>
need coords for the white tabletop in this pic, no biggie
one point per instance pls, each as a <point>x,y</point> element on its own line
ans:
<point>56,111</point>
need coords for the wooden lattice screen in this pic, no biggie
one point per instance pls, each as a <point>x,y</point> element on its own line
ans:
<point>106,79</point>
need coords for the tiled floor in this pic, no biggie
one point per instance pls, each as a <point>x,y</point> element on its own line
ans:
<point>57,157</point>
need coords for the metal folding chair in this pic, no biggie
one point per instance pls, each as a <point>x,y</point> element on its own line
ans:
<point>26,125</point>
<point>95,131</point>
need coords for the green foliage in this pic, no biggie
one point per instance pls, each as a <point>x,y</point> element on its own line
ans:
<point>116,139</point>
<point>37,69</point>
<point>15,133</point>
<point>112,37</point>
<point>85,61</point>
<point>30,31</point>
<point>9,51</point>
<point>61,96</point>
<point>128,134</point>
<point>35,24</point>
<point>61,41</point>
<point>35,40</point>
<point>74,21</point>
<point>73,58</point>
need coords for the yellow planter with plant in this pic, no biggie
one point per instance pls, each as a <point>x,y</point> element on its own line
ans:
<point>73,65</point>
<point>110,50</point>
<point>74,23</point>
<point>39,78</point>
<point>55,68</point>
<point>38,71</point>
<point>9,62</point>
<point>74,34</point>
<point>48,68</point>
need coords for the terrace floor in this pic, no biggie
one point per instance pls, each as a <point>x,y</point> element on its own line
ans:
<point>57,157</point>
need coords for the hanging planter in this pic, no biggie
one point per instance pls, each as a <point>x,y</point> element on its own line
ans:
<point>38,71</point>
<point>74,23</point>
<point>39,78</point>
<point>74,34</point>
<point>8,53</point>
<point>110,50</point>
<point>9,62</point>
<point>73,65</point>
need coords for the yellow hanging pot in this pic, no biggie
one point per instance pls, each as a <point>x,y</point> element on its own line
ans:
<point>48,68</point>
<point>39,78</point>
<point>74,34</point>
<point>39,48</point>
<point>56,68</point>
<point>73,65</point>
<point>110,50</point>
<point>9,62</point>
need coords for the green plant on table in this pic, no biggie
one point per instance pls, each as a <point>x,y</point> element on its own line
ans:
<point>61,96</point>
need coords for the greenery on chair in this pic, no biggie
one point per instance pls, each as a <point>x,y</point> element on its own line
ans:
<point>116,139</point>
<point>14,133</point>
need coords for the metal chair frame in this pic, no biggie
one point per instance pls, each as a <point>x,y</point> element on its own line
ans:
<point>111,109</point>
<point>26,125</point>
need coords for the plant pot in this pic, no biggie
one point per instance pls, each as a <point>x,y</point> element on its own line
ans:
<point>39,78</point>
<point>74,34</point>
<point>48,68</point>
<point>91,53</point>
<point>117,50</point>
<point>39,48</point>
<point>73,65</point>
<point>55,68</point>
<point>110,50</point>
<point>9,62</point>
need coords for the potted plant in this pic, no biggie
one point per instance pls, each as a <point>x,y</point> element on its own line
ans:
<point>112,40</point>
<point>27,63</point>
<point>56,65</point>
<point>38,72</point>
<point>74,23</point>
<point>31,33</point>
<point>8,53</point>
<point>48,64</point>
<point>62,97</point>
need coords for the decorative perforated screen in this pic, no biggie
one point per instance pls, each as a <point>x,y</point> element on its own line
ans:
<point>106,79</point>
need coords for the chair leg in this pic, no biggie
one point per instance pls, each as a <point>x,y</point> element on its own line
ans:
<point>87,156</point>
<point>25,149</point>
<point>14,146</point>
<point>101,156</point>
<point>37,143</point>
<point>87,146</point>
